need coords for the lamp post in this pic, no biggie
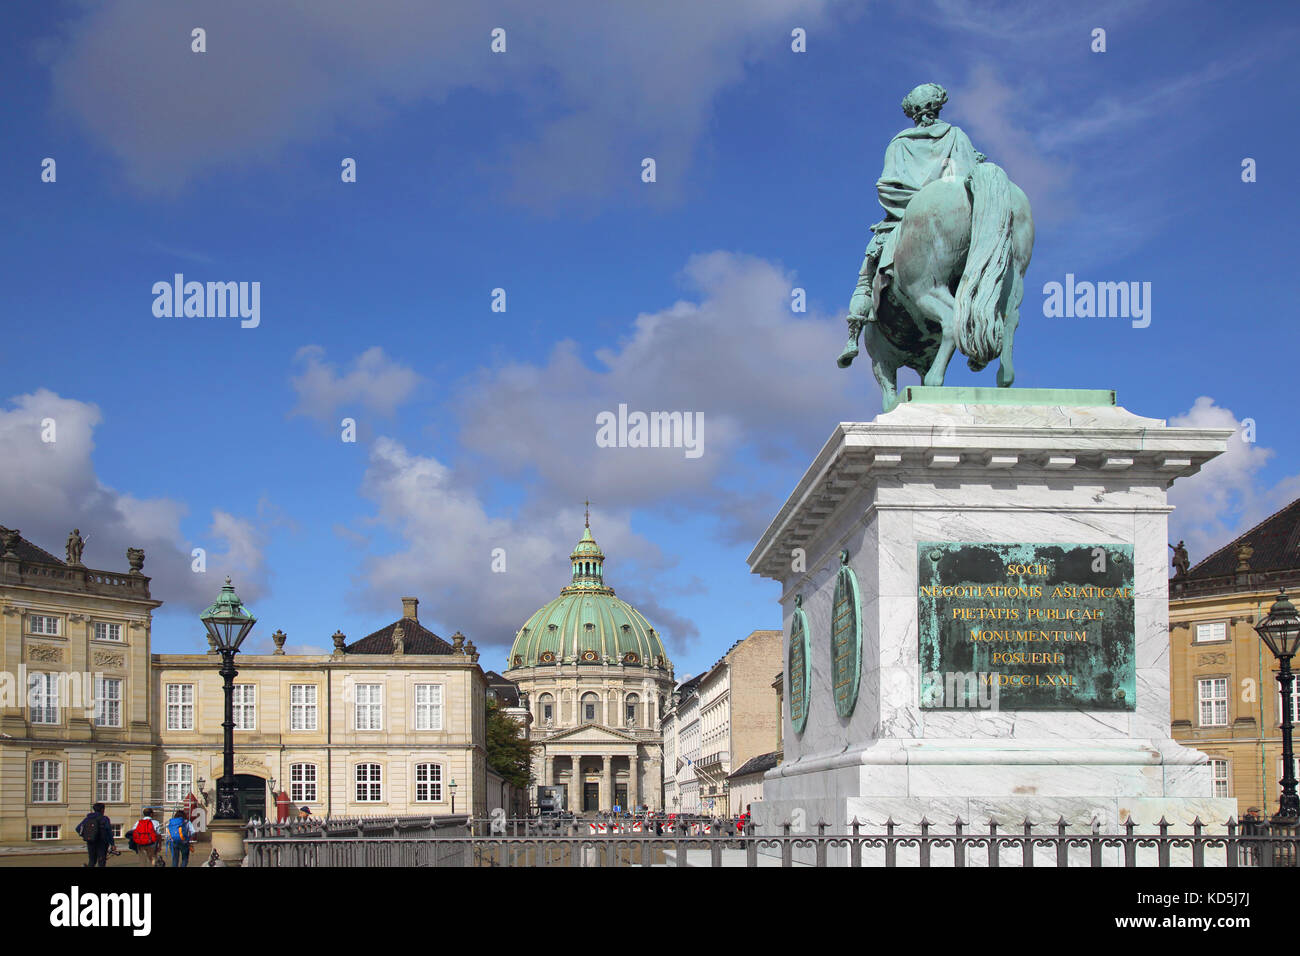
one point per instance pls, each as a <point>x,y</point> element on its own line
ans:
<point>1281,632</point>
<point>228,622</point>
<point>452,787</point>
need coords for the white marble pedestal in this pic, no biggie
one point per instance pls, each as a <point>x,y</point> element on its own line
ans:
<point>933,469</point>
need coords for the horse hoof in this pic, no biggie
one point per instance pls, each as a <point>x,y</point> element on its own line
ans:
<point>846,357</point>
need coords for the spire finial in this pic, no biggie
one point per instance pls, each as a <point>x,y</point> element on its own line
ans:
<point>587,521</point>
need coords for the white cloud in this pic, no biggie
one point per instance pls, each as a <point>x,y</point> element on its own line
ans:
<point>600,85</point>
<point>48,488</point>
<point>1228,495</point>
<point>449,545</point>
<point>764,378</point>
<point>374,383</point>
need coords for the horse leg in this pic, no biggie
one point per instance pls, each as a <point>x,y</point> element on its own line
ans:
<point>1006,367</point>
<point>884,365</point>
<point>936,305</point>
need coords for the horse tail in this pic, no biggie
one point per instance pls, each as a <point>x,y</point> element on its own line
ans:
<point>988,265</point>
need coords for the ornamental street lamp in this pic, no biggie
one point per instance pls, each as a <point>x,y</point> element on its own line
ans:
<point>1281,632</point>
<point>228,622</point>
<point>452,787</point>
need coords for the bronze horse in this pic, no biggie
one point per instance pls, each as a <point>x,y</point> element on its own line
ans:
<point>959,269</point>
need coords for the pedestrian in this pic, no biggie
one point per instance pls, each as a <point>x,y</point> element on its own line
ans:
<point>144,835</point>
<point>179,835</point>
<point>97,830</point>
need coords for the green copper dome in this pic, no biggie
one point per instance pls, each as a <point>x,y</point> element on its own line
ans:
<point>587,624</point>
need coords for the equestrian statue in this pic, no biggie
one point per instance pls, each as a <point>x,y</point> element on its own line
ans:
<point>945,268</point>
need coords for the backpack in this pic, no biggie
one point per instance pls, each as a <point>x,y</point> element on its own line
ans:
<point>90,829</point>
<point>176,828</point>
<point>145,834</point>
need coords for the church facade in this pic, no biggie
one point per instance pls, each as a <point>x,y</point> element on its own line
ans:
<point>596,680</point>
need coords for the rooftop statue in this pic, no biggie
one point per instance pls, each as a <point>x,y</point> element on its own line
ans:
<point>945,268</point>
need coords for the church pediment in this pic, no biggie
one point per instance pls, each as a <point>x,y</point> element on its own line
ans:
<point>592,734</point>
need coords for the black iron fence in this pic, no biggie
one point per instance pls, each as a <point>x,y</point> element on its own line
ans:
<point>527,842</point>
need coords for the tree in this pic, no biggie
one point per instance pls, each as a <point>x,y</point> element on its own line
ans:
<point>509,752</point>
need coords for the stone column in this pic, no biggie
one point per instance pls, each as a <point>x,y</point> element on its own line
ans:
<point>633,785</point>
<point>606,786</point>
<point>575,785</point>
<point>548,772</point>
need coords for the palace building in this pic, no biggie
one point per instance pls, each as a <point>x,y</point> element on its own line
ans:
<point>391,724</point>
<point>596,679</point>
<point>1224,691</point>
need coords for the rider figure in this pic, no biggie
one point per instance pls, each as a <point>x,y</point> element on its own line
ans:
<point>931,150</point>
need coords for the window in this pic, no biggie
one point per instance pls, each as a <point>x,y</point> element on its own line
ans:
<point>589,709</point>
<point>370,707</point>
<point>1208,633</point>
<point>47,780</point>
<point>108,782</point>
<point>369,782</point>
<point>108,702</point>
<point>1295,703</point>
<point>42,624</point>
<point>428,782</point>
<point>107,632</point>
<point>179,779</point>
<point>629,710</point>
<point>547,703</point>
<point>180,706</point>
<point>117,830</point>
<point>1212,692</point>
<point>245,699</point>
<point>428,707</point>
<point>45,832</point>
<point>43,698</point>
<point>1219,773</point>
<point>302,782</point>
<point>302,706</point>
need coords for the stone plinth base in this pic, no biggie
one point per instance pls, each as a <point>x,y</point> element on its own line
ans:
<point>228,840</point>
<point>964,468</point>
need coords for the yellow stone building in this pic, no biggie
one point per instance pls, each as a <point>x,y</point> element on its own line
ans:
<point>381,726</point>
<point>75,709</point>
<point>1224,692</point>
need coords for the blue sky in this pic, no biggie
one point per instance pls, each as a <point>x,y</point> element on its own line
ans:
<point>522,170</point>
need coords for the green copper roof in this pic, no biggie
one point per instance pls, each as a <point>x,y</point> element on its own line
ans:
<point>587,624</point>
